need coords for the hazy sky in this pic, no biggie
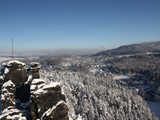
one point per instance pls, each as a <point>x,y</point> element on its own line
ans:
<point>69,24</point>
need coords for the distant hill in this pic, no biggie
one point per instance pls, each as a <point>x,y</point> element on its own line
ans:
<point>133,49</point>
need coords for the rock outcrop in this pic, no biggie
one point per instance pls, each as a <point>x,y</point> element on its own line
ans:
<point>54,108</point>
<point>35,70</point>
<point>16,72</point>
<point>26,97</point>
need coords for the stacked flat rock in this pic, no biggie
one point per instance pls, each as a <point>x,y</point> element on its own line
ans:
<point>37,84</point>
<point>35,70</point>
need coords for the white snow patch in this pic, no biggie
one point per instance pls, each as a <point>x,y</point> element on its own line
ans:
<point>8,83</point>
<point>6,70</point>
<point>1,77</point>
<point>120,77</point>
<point>79,117</point>
<point>22,118</point>
<point>16,61</point>
<point>4,59</point>
<point>9,58</point>
<point>94,70</point>
<point>33,87</point>
<point>16,117</point>
<point>29,79</point>
<point>150,53</point>
<point>120,56</point>
<point>8,111</point>
<point>34,63</point>
<point>38,81</point>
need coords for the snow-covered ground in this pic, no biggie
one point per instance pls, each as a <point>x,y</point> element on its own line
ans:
<point>155,108</point>
<point>9,58</point>
<point>5,58</point>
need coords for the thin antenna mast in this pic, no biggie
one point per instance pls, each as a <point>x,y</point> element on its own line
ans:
<point>12,48</point>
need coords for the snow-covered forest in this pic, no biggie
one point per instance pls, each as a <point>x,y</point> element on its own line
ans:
<point>105,88</point>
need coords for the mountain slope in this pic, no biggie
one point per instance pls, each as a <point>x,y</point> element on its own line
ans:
<point>133,49</point>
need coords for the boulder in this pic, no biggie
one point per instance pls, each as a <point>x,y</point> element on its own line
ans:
<point>55,99</point>
<point>16,72</point>
<point>7,94</point>
<point>57,112</point>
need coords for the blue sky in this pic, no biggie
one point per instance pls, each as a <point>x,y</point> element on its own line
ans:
<point>77,24</point>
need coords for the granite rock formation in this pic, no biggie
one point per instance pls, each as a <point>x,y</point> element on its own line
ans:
<point>35,70</point>
<point>26,97</point>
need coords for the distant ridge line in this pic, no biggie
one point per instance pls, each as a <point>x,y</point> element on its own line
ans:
<point>133,49</point>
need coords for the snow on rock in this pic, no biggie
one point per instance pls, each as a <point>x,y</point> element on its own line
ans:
<point>35,70</point>
<point>8,84</point>
<point>120,77</point>
<point>34,64</point>
<point>48,112</point>
<point>29,80</point>
<point>11,113</point>
<point>1,77</point>
<point>51,85</point>
<point>57,112</point>
<point>33,87</point>
<point>14,117</point>
<point>50,102</point>
<point>38,81</point>
<point>6,70</point>
<point>16,71</point>
<point>24,96</point>
<point>16,61</point>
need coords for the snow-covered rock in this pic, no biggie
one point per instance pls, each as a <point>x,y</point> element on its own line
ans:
<point>59,111</point>
<point>38,81</point>
<point>46,102</point>
<point>35,70</point>
<point>16,62</point>
<point>51,85</point>
<point>52,108</point>
<point>15,71</point>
